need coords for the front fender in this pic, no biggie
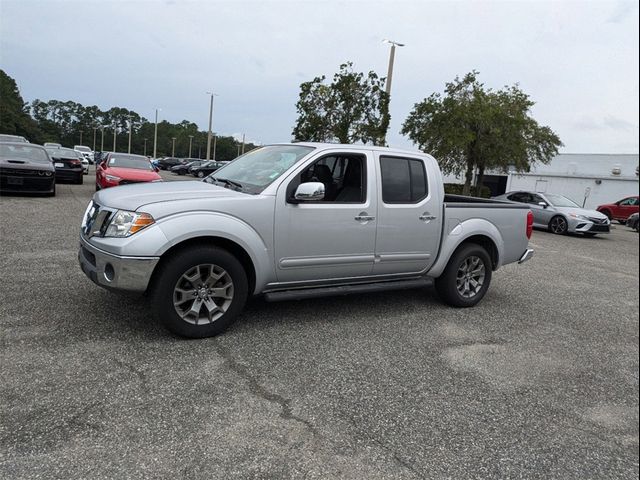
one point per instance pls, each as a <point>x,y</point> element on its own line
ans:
<point>456,232</point>
<point>186,226</point>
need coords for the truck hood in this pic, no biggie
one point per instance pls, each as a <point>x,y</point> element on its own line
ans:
<point>132,197</point>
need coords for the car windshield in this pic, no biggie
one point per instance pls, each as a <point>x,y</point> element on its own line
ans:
<point>130,161</point>
<point>561,201</point>
<point>82,148</point>
<point>255,170</point>
<point>62,153</point>
<point>24,152</point>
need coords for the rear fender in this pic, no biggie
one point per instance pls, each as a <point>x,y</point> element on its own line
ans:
<point>456,233</point>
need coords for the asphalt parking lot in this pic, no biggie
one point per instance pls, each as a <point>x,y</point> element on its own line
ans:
<point>538,381</point>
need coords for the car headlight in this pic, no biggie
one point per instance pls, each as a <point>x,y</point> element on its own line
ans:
<point>112,178</point>
<point>580,217</point>
<point>125,223</point>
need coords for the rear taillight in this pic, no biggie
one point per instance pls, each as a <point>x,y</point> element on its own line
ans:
<point>75,162</point>
<point>529,224</point>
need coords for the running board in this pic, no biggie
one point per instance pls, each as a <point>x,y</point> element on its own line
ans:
<point>304,293</point>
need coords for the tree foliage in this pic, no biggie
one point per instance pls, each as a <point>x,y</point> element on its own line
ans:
<point>471,127</point>
<point>353,108</point>
<point>14,112</point>
<point>71,123</point>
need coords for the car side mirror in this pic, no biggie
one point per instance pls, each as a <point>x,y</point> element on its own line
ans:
<point>309,191</point>
<point>543,204</point>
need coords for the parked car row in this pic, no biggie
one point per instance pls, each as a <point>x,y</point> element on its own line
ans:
<point>197,168</point>
<point>561,215</point>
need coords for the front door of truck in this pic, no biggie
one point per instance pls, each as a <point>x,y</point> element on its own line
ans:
<point>409,215</point>
<point>317,241</point>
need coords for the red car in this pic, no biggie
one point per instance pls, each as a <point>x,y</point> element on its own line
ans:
<point>620,210</point>
<point>123,169</point>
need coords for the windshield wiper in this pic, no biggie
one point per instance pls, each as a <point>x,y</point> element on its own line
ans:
<point>231,183</point>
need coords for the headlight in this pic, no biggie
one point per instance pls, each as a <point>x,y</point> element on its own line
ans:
<point>113,178</point>
<point>125,224</point>
<point>580,217</point>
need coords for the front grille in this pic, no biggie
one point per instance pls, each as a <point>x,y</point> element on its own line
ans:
<point>599,228</point>
<point>599,221</point>
<point>24,172</point>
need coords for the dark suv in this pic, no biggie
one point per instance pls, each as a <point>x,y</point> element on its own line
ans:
<point>167,162</point>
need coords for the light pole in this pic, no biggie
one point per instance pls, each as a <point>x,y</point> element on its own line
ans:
<point>102,138</point>
<point>191,141</point>
<point>210,124</point>
<point>155,136</point>
<point>243,143</point>
<point>115,126</point>
<point>392,56</point>
<point>173,146</point>
<point>215,140</point>
<point>94,138</point>
<point>129,150</point>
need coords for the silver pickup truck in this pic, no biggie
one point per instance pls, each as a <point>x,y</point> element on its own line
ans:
<point>295,221</point>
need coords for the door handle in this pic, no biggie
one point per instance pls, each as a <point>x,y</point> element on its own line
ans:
<point>364,218</point>
<point>427,218</point>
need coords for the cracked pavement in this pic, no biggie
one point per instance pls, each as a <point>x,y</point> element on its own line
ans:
<point>539,381</point>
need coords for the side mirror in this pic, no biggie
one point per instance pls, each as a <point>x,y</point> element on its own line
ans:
<point>309,191</point>
<point>543,204</point>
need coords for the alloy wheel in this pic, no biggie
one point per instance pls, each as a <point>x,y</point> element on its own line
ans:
<point>558,225</point>
<point>470,276</point>
<point>203,294</point>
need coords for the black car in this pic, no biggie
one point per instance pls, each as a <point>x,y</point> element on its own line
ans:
<point>26,168</point>
<point>184,168</point>
<point>68,164</point>
<point>167,162</point>
<point>206,168</point>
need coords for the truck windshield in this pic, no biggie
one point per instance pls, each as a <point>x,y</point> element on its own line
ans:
<point>255,170</point>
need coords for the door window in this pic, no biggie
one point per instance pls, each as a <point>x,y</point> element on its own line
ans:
<point>404,180</point>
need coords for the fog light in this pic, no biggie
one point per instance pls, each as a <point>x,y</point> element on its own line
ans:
<point>109,272</point>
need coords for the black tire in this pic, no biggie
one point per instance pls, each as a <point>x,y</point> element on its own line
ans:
<point>80,180</point>
<point>200,174</point>
<point>622,222</point>
<point>608,214</point>
<point>52,193</point>
<point>173,270</point>
<point>447,283</point>
<point>590,235</point>
<point>558,225</point>
<point>97,187</point>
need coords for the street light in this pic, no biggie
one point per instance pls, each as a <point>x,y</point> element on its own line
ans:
<point>155,135</point>
<point>102,138</point>
<point>115,132</point>
<point>173,146</point>
<point>210,124</point>
<point>392,55</point>
<point>129,150</point>
<point>191,141</point>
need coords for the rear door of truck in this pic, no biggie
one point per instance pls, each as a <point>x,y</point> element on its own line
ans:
<point>409,213</point>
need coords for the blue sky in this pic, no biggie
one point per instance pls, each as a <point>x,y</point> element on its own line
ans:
<point>577,60</point>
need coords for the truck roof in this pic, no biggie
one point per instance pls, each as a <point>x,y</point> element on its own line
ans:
<point>324,146</point>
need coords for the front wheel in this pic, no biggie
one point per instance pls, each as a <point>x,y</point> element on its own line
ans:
<point>200,174</point>
<point>199,292</point>
<point>558,225</point>
<point>466,278</point>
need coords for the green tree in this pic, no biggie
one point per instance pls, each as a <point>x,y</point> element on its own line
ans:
<point>353,108</point>
<point>14,112</point>
<point>471,127</point>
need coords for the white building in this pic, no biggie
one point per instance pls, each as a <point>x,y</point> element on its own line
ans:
<point>592,179</point>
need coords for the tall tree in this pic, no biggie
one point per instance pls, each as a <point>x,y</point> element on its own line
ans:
<point>14,112</point>
<point>471,127</point>
<point>353,108</point>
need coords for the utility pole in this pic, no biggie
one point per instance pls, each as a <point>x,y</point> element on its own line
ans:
<point>155,137</point>
<point>129,150</point>
<point>238,151</point>
<point>210,125</point>
<point>173,146</point>
<point>191,141</point>
<point>94,138</point>
<point>215,139</point>
<point>102,138</point>
<point>243,143</point>
<point>115,125</point>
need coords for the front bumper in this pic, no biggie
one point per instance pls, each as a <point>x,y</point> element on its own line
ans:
<point>115,272</point>
<point>584,226</point>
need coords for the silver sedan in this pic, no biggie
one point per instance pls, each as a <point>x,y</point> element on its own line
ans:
<point>560,214</point>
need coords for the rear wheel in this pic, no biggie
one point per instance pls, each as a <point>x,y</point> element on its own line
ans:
<point>466,278</point>
<point>622,222</point>
<point>558,225</point>
<point>200,174</point>
<point>199,292</point>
